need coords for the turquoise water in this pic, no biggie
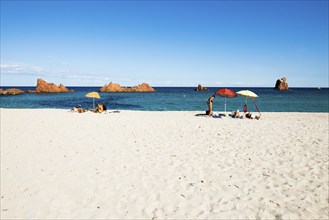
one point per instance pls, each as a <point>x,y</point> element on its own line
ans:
<point>177,99</point>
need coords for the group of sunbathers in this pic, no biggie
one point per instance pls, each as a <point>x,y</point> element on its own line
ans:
<point>236,114</point>
<point>99,109</point>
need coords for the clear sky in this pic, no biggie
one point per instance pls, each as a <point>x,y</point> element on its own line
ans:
<point>165,43</point>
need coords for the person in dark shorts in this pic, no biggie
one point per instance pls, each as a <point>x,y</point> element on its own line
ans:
<point>209,103</point>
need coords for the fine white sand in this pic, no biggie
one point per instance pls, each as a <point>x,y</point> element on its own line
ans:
<point>162,165</point>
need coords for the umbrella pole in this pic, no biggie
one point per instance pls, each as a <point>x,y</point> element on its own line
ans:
<point>225,105</point>
<point>94,103</point>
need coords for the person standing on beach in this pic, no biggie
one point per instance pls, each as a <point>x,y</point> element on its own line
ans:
<point>209,102</point>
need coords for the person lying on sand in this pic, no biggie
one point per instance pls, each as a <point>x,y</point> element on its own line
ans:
<point>235,114</point>
<point>251,116</point>
<point>78,109</point>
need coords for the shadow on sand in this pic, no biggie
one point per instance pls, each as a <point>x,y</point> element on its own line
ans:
<point>213,116</point>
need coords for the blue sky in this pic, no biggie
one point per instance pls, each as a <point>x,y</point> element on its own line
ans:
<point>165,43</point>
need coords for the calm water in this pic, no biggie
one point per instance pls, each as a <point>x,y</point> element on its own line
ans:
<point>177,99</point>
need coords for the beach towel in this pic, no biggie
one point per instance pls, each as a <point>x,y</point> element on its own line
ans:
<point>115,111</point>
<point>217,116</point>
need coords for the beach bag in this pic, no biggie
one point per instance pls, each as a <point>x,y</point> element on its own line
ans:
<point>245,109</point>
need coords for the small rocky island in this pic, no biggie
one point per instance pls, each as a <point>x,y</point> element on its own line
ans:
<point>11,91</point>
<point>281,84</point>
<point>45,87</point>
<point>115,87</point>
<point>200,88</point>
<point>42,87</point>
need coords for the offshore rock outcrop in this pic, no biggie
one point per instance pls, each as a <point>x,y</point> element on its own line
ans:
<point>11,91</point>
<point>115,87</point>
<point>200,88</point>
<point>281,84</point>
<point>45,87</point>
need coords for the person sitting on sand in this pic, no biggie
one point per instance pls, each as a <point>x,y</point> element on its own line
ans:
<point>104,107</point>
<point>99,108</point>
<point>209,102</point>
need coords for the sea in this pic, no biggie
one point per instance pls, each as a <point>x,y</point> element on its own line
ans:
<point>177,99</point>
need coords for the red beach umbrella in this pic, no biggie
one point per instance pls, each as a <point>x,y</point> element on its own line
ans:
<point>227,93</point>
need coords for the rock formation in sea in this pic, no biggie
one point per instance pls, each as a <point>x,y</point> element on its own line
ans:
<point>11,91</point>
<point>45,87</point>
<point>115,87</point>
<point>281,84</point>
<point>200,88</point>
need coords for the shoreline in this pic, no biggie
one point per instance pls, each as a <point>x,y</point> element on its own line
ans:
<point>179,99</point>
<point>191,111</point>
<point>163,165</point>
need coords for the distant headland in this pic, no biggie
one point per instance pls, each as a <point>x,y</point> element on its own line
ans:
<point>41,87</point>
<point>45,87</point>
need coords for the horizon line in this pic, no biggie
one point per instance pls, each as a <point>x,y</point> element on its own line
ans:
<point>180,86</point>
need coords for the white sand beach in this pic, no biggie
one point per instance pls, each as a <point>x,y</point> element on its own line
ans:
<point>162,165</point>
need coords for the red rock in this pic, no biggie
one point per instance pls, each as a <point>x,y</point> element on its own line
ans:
<point>11,91</point>
<point>115,87</point>
<point>281,84</point>
<point>44,87</point>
